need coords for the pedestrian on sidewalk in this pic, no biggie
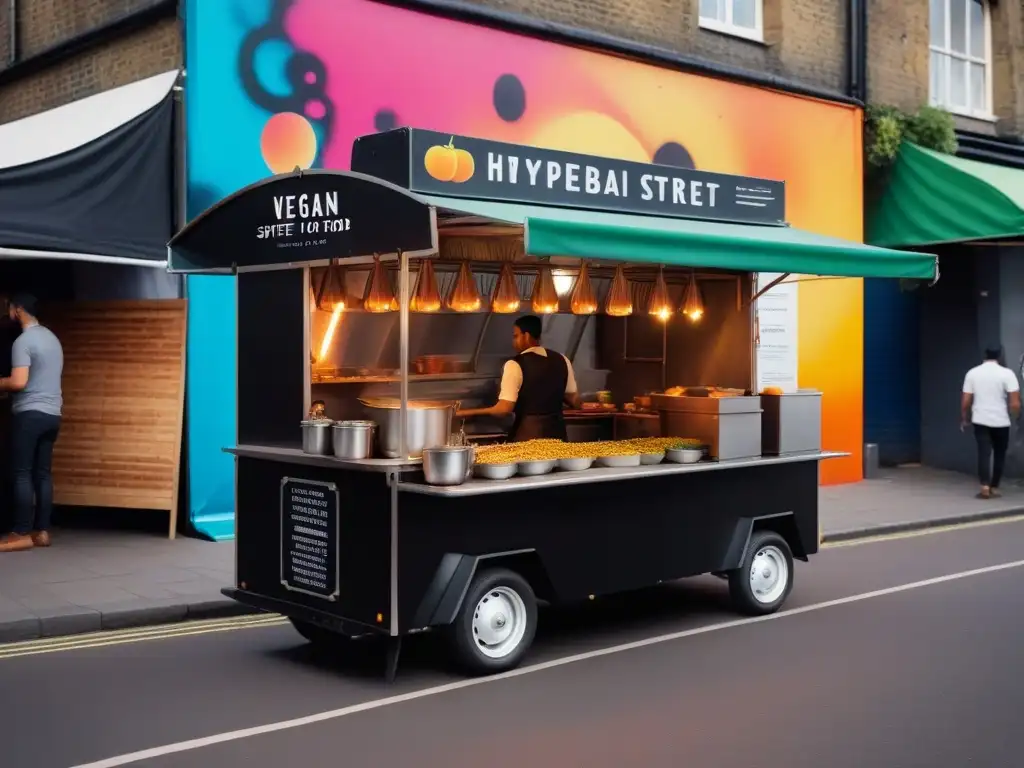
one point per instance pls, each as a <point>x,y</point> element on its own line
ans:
<point>37,364</point>
<point>990,396</point>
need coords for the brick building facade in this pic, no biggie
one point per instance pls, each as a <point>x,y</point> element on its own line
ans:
<point>127,40</point>
<point>63,50</point>
<point>909,44</point>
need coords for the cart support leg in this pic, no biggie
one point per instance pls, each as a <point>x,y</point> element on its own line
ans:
<point>391,663</point>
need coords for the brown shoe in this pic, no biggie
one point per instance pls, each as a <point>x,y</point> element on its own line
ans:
<point>40,538</point>
<point>15,542</point>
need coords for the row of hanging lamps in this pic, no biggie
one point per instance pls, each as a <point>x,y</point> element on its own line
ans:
<point>465,297</point>
<point>505,299</point>
<point>620,296</point>
<point>545,297</point>
<point>426,297</point>
<point>693,305</point>
<point>583,301</point>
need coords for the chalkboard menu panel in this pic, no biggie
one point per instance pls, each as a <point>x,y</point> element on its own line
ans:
<point>309,537</point>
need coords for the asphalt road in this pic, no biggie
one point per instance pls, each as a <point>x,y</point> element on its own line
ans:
<point>867,666</point>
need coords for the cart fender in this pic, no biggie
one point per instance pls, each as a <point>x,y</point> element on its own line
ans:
<point>443,598</point>
<point>783,523</point>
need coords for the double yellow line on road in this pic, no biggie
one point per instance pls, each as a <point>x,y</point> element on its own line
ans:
<point>123,636</point>
<point>193,628</point>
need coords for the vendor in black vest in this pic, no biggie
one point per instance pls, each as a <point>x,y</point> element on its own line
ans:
<point>535,386</point>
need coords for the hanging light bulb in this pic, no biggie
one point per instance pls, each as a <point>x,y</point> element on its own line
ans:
<point>506,293</point>
<point>563,282</point>
<point>426,297</point>
<point>693,306</point>
<point>464,297</point>
<point>545,296</point>
<point>583,301</point>
<point>379,296</point>
<point>620,296</point>
<point>331,294</point>
<point>660,306</point>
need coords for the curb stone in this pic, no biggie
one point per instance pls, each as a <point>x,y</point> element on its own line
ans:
<point>888,529</point>
<point>144,613</point>
<point>20,627</point>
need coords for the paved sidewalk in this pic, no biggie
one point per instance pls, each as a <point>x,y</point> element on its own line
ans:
<point>908,499</point>
<point>91,580</point>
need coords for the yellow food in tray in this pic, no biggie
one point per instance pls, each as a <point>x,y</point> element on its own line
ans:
<point>539,450</point>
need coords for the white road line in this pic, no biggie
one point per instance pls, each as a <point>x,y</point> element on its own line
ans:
<point>334,714</point>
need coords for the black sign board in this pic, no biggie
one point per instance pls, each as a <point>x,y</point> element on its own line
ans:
<point>303,217</point>
<point>309,537</point>
<point>461,166</point>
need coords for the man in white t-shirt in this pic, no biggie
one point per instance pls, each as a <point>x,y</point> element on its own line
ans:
<point>991,395</point>
<point>535,386</point>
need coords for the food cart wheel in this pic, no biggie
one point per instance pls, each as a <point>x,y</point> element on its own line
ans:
<point>496,623</point>
<point>762,582</point>
<point>318,636</point>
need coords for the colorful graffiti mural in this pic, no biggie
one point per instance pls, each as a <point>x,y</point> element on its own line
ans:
<point>274,84</point>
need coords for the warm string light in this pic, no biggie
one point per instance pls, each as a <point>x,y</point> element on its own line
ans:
<point>379,295</point>
<point>693,305</point>
<point>426,297</point>
<point>331,293</point>
<point>545,295</point>
<point>583,301</point>
<point>620,296</point>
<point>660,305</point>
<point>505,299</point>
<point>465,297</point>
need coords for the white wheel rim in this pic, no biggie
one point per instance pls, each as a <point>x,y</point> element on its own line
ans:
<point>769,575</point>
<point>499,622</point>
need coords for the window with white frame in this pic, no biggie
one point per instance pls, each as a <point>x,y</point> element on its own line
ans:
<point>960,67</point>
<point>733,17</point>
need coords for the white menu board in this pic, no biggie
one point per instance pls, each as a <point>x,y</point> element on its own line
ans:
<point>777,334</point>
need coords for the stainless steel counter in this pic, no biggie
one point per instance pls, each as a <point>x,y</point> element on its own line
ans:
<point>296,456</point>
<point>604,475</point>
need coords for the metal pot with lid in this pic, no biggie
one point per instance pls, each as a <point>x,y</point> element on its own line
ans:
<point>428,424</point>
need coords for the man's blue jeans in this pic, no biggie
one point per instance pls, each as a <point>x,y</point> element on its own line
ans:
<point>33,434</point>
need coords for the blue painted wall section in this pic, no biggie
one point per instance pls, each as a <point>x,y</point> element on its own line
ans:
<point>217,166</point>
<point>892,370</point>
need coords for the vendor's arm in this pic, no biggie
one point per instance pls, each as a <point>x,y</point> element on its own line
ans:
<point>572,396</point>
<point>21,359</point>
<point>511,381</point>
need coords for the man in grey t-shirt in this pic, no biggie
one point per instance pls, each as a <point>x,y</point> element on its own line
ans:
<point>37,363</point>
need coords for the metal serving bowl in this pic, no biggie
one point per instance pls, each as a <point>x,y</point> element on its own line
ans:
<point>629,460</point>
<point>684,455</point>
<point>448,465</point>
<point>539,467</point>
<point>495,471</point>
<point>575,465</point>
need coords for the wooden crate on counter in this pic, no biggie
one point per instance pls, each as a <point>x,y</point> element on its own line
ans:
<point>124,392</point>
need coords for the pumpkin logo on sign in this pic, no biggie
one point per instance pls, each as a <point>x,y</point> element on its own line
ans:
<point>446,163</point>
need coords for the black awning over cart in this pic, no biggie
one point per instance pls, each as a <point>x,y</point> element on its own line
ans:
<point>109,200</point>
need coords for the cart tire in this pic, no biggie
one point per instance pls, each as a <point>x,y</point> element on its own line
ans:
<point>765,577</point>
<point>318,636</point>
<point>496,624</point>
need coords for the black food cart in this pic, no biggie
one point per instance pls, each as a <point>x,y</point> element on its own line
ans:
<point>347,547</point>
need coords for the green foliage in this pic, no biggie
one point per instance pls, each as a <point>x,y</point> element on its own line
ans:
<point>887,126</point>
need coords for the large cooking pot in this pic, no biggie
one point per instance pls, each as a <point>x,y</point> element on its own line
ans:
<point>428,424</point>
